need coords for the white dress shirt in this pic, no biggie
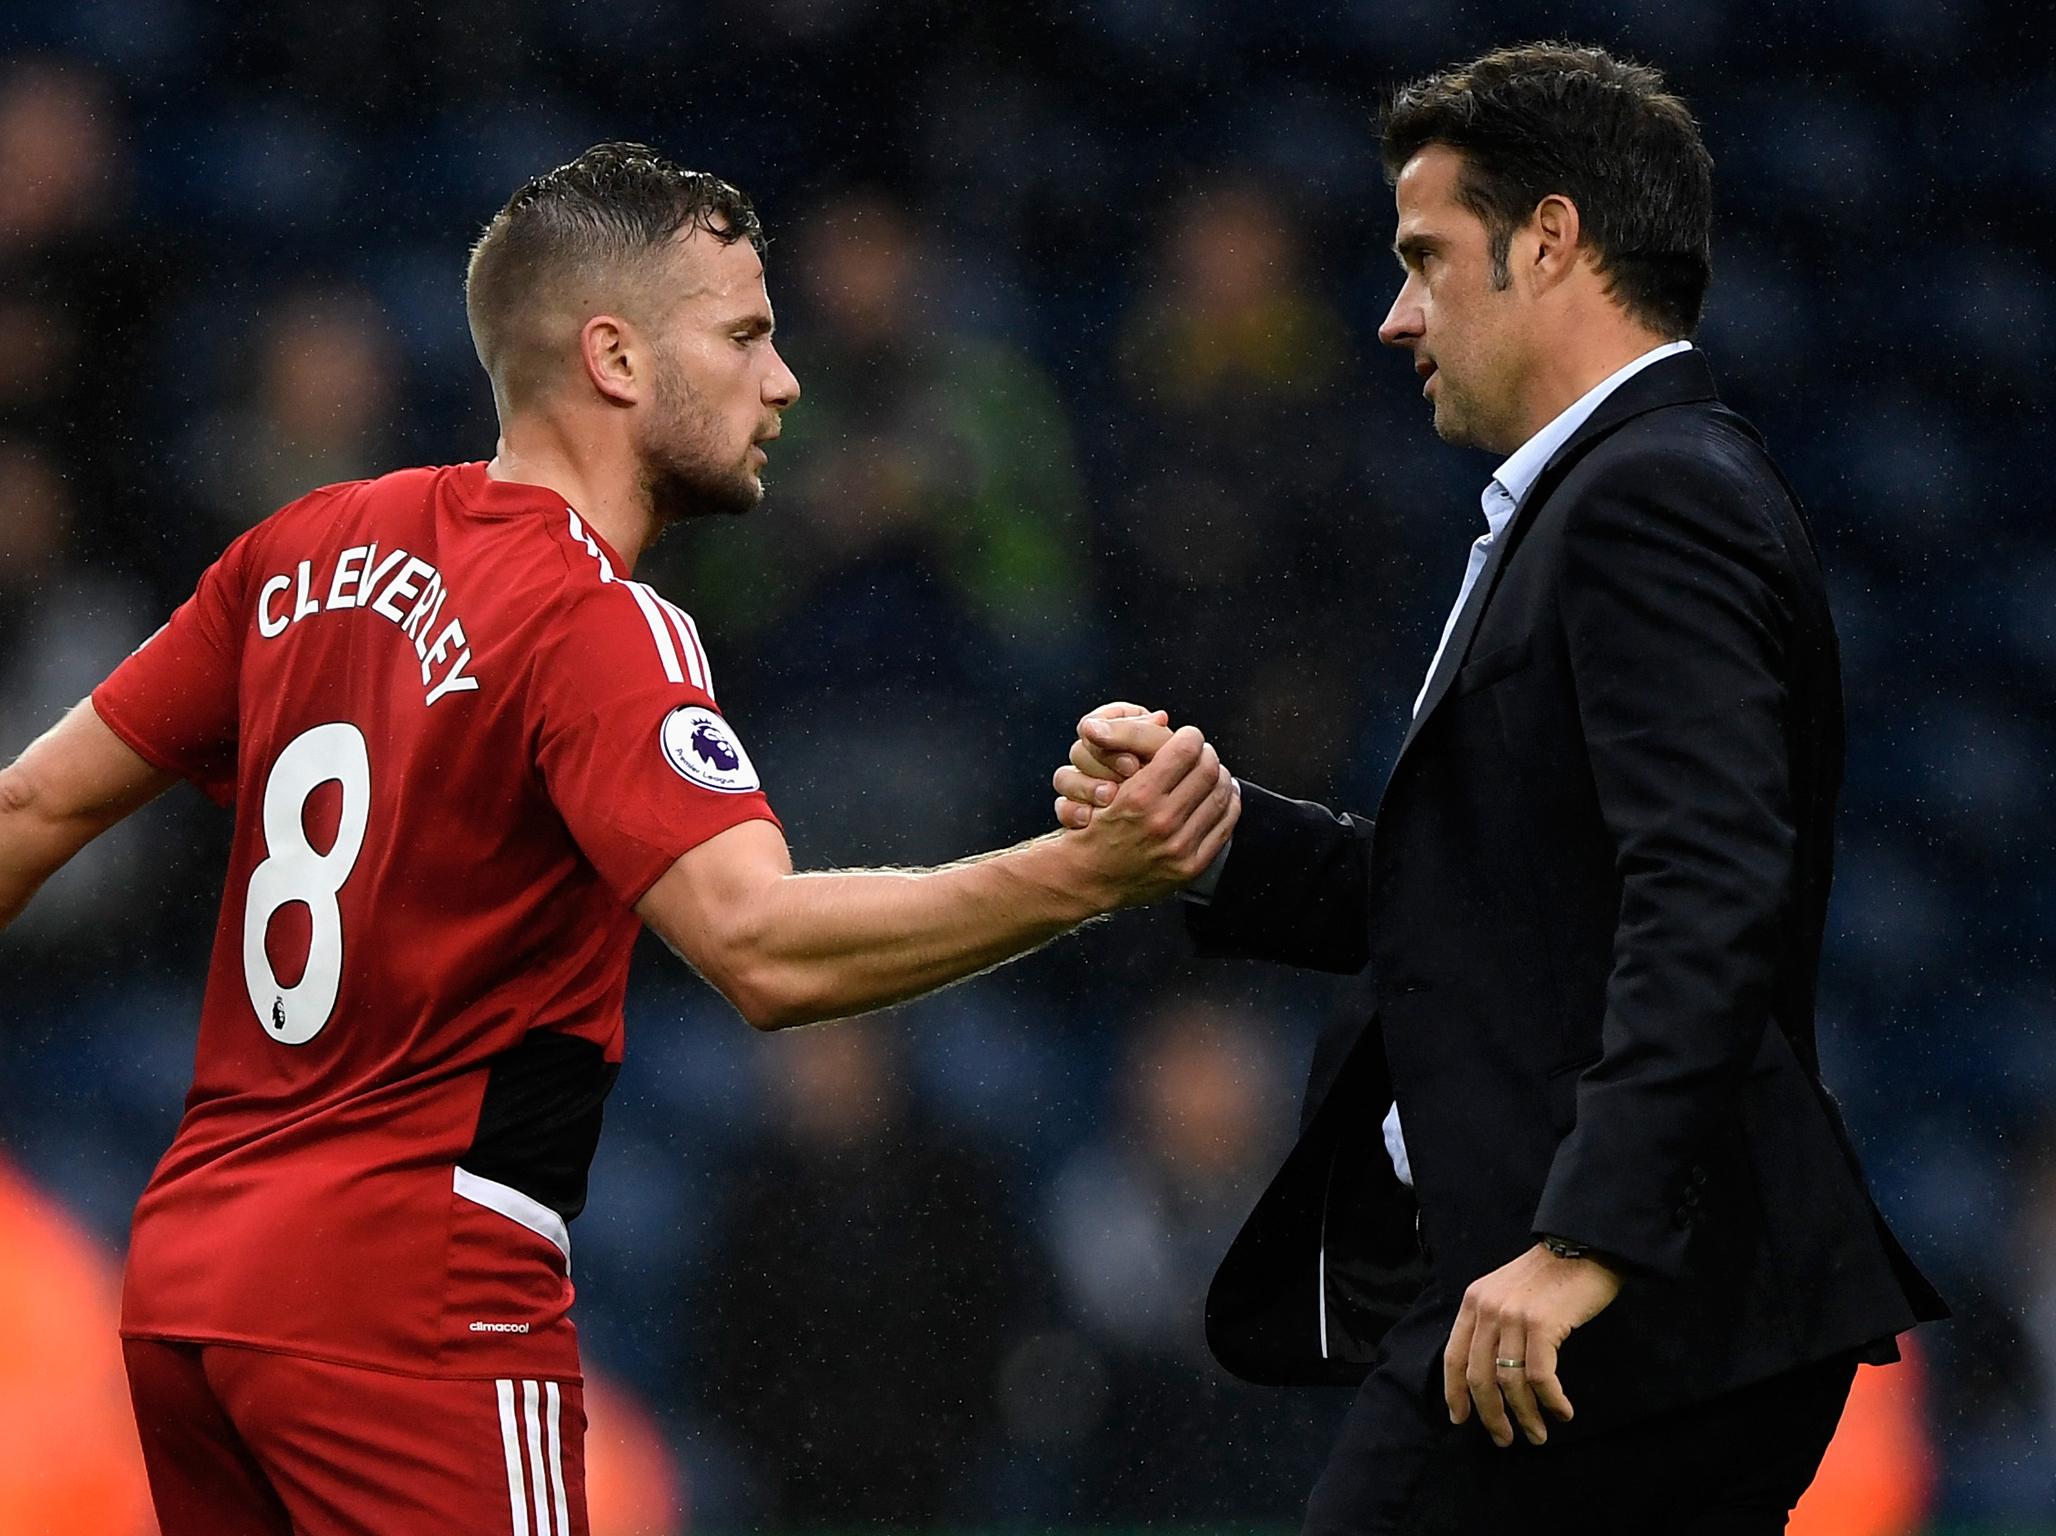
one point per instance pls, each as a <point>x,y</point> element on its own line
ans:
<point>1502,498</point>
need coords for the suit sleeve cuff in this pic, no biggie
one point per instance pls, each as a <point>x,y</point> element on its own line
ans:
<point>1201,892</point>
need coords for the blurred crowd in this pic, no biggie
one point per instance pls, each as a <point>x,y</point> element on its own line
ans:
<point>1083,298</point>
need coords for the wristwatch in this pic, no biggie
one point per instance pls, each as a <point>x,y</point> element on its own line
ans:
<point>1564,1248</point>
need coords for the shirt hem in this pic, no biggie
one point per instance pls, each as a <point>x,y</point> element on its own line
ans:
<point>639,887</point>
<point>266,1347</point>
<point>134,740</point>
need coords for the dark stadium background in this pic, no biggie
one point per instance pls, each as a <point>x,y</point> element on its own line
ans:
<point>1083,299</point>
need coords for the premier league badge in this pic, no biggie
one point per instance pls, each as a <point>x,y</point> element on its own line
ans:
<point>699,744</point>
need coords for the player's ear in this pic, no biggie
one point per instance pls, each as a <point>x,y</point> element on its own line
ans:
<point>611,362</point>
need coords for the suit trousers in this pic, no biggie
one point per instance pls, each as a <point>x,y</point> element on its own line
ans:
<point>1731,1466</point>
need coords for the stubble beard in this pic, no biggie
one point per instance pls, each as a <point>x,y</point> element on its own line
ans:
<point>684,474</point>
<point>1453,413</point>
<point>1462,420</point>
<point>1482,413</point>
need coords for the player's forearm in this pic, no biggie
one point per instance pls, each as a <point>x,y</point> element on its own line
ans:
<point>792,949</point>
<point>828,945</point>
<point>75,781</point>
<point>33,844</point>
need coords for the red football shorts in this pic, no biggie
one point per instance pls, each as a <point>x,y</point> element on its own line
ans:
<point>238,1442</point>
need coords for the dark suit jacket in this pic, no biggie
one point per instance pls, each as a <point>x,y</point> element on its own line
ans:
<point>1591,902</point>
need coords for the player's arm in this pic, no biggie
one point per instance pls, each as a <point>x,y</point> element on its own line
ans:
<point>76,780</point>
<point>789,948</point>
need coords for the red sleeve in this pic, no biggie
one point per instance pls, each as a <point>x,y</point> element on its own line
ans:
<point>175,699</point>
<point>633,750</point>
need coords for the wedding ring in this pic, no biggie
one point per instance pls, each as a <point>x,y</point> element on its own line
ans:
<point>1511,1365</point>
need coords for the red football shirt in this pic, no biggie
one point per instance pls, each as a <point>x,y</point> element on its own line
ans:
<point>460,744</point>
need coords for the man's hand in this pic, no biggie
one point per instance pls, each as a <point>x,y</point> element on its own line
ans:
<point>1502,1351</point>
<point>1114,741</point>
<point>1169,821</point>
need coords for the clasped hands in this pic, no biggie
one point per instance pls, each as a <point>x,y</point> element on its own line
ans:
<point>1501,1359</point>
<point>1155,812</point>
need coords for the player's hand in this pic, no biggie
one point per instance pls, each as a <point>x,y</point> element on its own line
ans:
<point>1114,741</point>
<point>1165,827</point>
<point>1521,1312</point>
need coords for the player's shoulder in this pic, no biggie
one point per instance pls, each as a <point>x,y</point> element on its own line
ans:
<point>488,539</point>
<point>324,506</point>
<point>601,607</point>
<point>503,537</point>
<point>285,527</point>
<point>410,485</point>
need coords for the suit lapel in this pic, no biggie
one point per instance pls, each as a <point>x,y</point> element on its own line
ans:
<point>1466,625</point>
<point>1677,380</point>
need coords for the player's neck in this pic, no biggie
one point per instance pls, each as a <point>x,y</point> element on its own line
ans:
<point>610,504</point>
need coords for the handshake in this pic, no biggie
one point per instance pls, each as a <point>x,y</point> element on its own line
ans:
<point>1146,809</point>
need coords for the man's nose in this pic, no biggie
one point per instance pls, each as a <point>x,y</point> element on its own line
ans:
<point>781,385</point>
<point>1402,320</point>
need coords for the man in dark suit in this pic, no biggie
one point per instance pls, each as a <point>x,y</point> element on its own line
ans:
<point>1581,1151</point>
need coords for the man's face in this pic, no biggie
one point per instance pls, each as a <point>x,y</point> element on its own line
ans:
<point>1466,332</point>
<point>720,386</point>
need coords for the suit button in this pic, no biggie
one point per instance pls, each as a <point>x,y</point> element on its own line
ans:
<point>1698,1175</point>
<point>1681,1218</point>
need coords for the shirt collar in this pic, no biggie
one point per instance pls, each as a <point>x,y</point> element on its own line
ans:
<point>1512,481</point>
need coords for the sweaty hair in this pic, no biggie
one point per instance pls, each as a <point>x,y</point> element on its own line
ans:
<point>1555,118</point>
<point>595,218</point>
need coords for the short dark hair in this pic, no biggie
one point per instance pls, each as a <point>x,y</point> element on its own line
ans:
<point>613,204</point>
<point>1557,118</point>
